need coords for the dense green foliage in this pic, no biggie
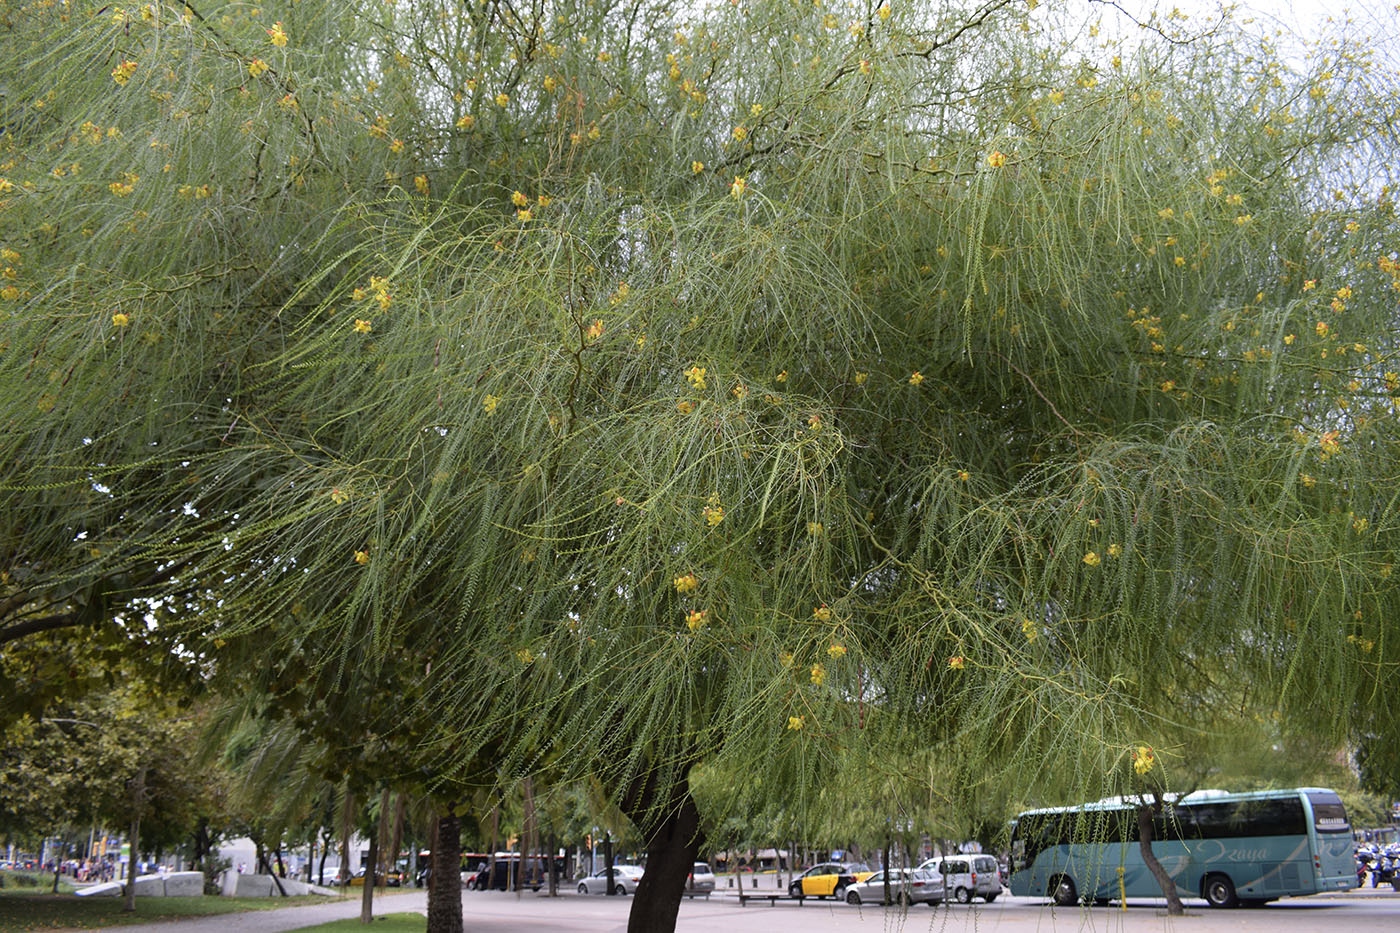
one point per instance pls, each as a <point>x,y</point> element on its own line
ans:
<point>794,387</point>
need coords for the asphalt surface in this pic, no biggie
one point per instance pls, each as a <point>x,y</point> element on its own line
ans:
<point>1362,911</point>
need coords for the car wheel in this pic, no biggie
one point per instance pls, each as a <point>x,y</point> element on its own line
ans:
<point>902,900</point>
<point>989,898</point>
<point>963,896</point>
<point>1220,891</point>
<point>795,889</point>
<point>1062,892</point>
<point>583,889</point>
<point>853,897</point>
<point>1100,902</point>
<point>620,890</point>
<point>840,892</point>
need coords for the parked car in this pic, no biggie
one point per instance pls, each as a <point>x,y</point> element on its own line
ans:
<point>829,879</point>
<point>967,876</point>
<point>701,880</point>
<point>907,886</point>
<point>624,881</point>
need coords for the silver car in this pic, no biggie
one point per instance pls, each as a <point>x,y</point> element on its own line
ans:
<point>624,880</point>
<point>701,880</point>
<point>907,886</point>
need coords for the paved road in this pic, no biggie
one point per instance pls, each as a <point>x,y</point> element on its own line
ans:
<point>492,912</point>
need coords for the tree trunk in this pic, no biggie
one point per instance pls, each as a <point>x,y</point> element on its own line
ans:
<point>549,867</point>
<point>885,856</point>
<point>1164,880</point>
<point>138,802</point>
<point>367,894</point>
<point>444,877</point>
<point>671,828</point>
<point>608,862</point>
<point>346,828</point>
<point>326,839</point>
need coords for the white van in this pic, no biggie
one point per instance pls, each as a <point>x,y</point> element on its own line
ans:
<point>967,876</point>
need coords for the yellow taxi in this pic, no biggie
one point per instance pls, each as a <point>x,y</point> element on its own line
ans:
<point>829,879</point>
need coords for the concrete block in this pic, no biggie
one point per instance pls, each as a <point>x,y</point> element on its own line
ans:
<point>150,886</point>
<point>105,889</point>
<point>254,886</point>
<point>184,884</point>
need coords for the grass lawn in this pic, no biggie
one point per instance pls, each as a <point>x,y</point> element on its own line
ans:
<point>22,909</point>
<point>389,923</point>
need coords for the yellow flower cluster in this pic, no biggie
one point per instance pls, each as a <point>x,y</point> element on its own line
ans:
<point>695,375</point>
<point>362,326</point>
<point>713,511</point>
<point>124,187</point>
<point>490,402</point>
<point>595,330</point>
<point>339,496</point>
<point>378,290</point>
<point>685,406</point>
<point>916,378</point>
<point>1092,559</point>
<point>795,723</point>
<point>687,583</point>
<point>695,619</point>
<point>996,159</point>
<point>817,674</point>
<point>1143,759</point>
<point>120,320</point>
<point>277,35</point>
<point>836,651</point>
<point>465,121</point>
<point>362,557</point>
<point>957,662</point>
<point>822,613</point>
<point>421,183</point>
<point>123,72</point>
<point>737,189</point>
<point>256,67</point>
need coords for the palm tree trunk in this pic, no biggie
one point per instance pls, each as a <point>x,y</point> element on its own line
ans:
<point>444,877</point>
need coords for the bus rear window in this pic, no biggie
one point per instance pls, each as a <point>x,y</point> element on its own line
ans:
<point>1329,816</point>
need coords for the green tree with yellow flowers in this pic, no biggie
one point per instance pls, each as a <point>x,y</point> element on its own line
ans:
<point>754,384</point>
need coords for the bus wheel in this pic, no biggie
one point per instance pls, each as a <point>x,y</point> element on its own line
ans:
<point>1062,891</point>
<point>1220,891</point>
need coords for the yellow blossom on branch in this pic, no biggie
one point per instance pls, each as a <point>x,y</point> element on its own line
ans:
<point>465,121</point>
<point>695,375</point>
<point>1091,559</point>
<point>277,35</point>
<point>490,402</point>
<point>362,557</point>
<point>339,496</point>
<point>1143,759</point>
<point>817,674</point>
<point>996,159</point>
<point>795,723</point>
<point>822,613</point>
<point>123,72</point>
<point>697,167</point>
<point>595,330</point>
<point>120,320</point>
<point>695,619</point>
<point>916,378</point>
<point>836,651</point>
<point>957,662</point>
<point>363,326</point>
<point>686,583</point>
<point>737,189</point>
<point>256,67</point>
<point>685,406</point>
<point>519,199</point>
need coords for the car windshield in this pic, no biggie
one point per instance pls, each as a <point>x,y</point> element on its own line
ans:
<point>701,868</point>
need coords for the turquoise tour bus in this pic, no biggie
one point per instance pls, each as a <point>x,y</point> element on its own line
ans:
<point>1229,849</point>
